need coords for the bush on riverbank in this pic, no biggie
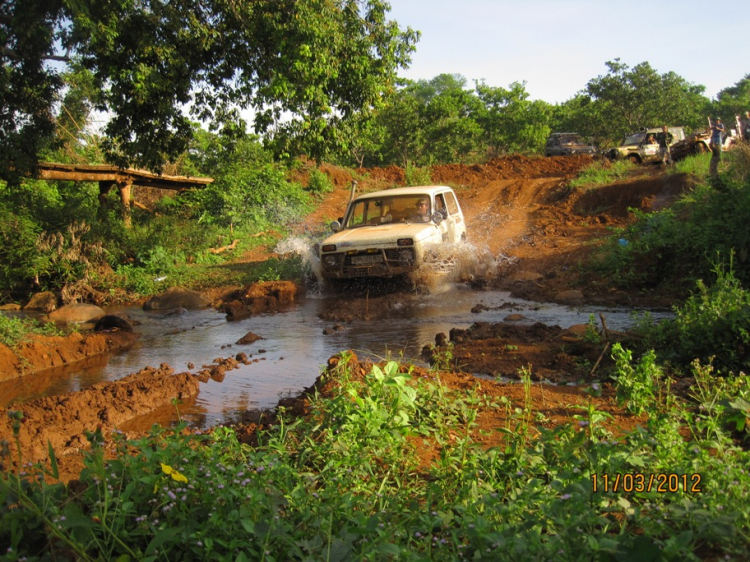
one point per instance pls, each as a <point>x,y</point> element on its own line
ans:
<point>681,244</point>
<point>57,234</point>
<point>346,483</point>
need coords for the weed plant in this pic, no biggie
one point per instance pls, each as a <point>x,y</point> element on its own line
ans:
<point>347,483</point>
<point>417,176</point>
<point>711,325</point>
<point>319,183</point>
<point>14,330</point>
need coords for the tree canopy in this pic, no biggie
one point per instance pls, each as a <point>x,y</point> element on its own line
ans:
<point>152,65</point>
<point>627,99</point>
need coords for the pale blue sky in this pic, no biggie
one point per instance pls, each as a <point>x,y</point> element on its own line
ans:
<point>557,46</point>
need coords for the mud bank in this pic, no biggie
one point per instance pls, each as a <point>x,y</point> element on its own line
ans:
<point>47,352</point>
<point>62,421</point>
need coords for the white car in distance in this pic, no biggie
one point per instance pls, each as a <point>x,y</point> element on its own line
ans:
<point>389,233</point>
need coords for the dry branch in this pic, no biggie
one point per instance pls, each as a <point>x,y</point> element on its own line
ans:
<point>222,249</point>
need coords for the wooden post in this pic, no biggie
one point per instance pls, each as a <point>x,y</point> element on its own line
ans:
<point>124,187</point>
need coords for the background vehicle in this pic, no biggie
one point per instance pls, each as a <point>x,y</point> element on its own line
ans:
<point>563,144</point>
<point>636,148</point>
<point>698,143</point>
<point>383,233</point>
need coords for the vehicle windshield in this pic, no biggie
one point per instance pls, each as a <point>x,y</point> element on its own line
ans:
<point>635,138</point>
<point>576,140</point>
<point>381,210</point>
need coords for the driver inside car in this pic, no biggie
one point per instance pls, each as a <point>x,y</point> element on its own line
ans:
<point>422,211</point>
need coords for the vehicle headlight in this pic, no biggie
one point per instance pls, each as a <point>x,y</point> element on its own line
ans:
<point>406,255</point>
<point>331,260</point>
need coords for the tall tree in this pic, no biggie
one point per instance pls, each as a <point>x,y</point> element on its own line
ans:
<point>448,117</point>
<point>733,101</point>
<point>627,99</point>
<point>511,121</point>
<point>297,63</point>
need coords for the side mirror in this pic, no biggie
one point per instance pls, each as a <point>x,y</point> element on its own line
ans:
<point>335,226</point>
<point>437,217</point>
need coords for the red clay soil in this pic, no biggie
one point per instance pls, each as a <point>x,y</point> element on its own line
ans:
<point>517,207</point>
<point>41,353</point>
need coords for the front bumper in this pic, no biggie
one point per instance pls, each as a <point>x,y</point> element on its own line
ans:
<point>387,262</point>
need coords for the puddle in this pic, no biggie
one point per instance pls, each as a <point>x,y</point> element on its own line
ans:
<point>294,348</point>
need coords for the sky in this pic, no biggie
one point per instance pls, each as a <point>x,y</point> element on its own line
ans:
<point>558,46</point>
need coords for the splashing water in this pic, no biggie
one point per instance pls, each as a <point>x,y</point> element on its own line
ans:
<point>306,249</point>
<point>446,264</point>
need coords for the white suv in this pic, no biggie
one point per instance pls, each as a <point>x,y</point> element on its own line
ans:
<point>387,233</point>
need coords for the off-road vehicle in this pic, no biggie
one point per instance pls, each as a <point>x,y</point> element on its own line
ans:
<point>564,144</point>
<point>391,232</point>
<point>637,148</point>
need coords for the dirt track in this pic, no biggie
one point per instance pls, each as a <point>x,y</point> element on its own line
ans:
<point>519,207</point>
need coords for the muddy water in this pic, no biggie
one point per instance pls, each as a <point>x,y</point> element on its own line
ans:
<point>294,347</point>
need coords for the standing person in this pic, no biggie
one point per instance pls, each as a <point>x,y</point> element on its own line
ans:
<point>665,141</point>
<point>745,127</point>
<point>717,138</point>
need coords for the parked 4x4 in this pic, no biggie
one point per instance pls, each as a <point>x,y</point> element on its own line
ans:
<point>390,232</point>
<point>563,144</point>
<point>637,148</point>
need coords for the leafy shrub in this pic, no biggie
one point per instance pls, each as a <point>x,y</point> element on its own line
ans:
<point>635,384</point>
<point>416,175</point>
<point>347,483</point>
<point>715,321</point>
<point>319,182</point>
<point>20,261</point>
<point>676,245</point>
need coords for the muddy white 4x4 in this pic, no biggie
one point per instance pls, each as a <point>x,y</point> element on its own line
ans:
<point>637,147</point>
<point>392,232</point>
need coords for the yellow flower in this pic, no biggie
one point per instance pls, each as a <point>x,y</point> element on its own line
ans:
<point>166,469</point>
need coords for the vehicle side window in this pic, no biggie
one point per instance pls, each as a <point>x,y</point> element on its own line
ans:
<point>450,202</point>
<point>440,203</point>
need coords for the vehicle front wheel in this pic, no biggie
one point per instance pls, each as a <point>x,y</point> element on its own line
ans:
<point>634,159</point>
<point>701,148</point>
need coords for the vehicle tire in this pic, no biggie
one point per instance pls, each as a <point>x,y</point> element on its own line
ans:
<point>634,159</point>
<point>701,148</point>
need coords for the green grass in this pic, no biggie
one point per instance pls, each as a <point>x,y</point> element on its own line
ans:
<point>602,173</point>
<point>14,330</point>
<point>344,484</point>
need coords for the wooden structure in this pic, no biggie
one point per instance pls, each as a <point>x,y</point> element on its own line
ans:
<point>123,178</point>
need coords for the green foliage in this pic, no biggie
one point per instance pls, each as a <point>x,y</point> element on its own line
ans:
<point>319,182</point>
<point>681,244</point>
<point>510,122</point>
<point>416,175</point>
<point>20,262</point>
<point>723,402</point>
<point>711,324</point>
<point>310,61</point>
<point>733,100</point>
<point>345,484</point>
<point>636,385</point>
<point>627,99</point>
<point>14,330</point>
<point>601,173</point>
